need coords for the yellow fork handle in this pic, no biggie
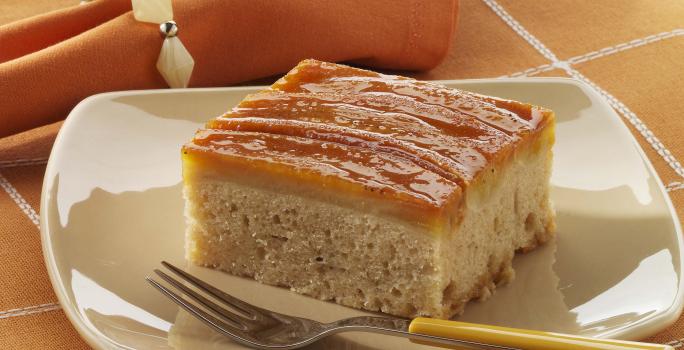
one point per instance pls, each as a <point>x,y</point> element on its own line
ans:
<point>518,338</point>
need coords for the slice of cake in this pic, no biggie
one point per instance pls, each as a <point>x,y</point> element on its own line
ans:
<point>374,191</point>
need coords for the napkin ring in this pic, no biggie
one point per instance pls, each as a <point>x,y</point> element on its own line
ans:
<point>175,62</point>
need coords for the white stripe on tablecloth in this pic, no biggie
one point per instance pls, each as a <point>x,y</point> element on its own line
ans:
<point>518,28</point>
<point>606,51</point>
<point>674,186</point>
<point>30,310</point>
<point>22,162</point>
<point>20,201</point>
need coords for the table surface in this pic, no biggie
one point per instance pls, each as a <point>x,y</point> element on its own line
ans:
<point>632,52</point>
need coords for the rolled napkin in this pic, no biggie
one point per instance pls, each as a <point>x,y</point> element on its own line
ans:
<point>51,62</point>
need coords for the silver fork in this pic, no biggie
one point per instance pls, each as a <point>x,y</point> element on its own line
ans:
<point>265,329</point>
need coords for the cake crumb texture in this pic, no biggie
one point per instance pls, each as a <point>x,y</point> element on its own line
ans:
<point>376,192</point>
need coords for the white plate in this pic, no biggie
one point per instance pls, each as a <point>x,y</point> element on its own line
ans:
<point>111,209</point>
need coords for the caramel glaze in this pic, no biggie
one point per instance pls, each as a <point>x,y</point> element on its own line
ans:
<point>342,168</point>
<point>417,143</point>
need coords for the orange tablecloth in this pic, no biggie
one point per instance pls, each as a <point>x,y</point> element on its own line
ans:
<point>633,51</point>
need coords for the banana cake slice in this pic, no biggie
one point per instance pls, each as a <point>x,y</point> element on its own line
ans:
<point>375,191</point>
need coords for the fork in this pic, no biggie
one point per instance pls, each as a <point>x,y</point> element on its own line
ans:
<point>259,328</point>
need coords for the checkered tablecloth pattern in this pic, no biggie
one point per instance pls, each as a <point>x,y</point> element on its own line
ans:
<point>630,51</point>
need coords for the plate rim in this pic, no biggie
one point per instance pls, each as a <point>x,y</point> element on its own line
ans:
<point>93,338</point>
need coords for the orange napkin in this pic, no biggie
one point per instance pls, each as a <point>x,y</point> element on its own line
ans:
<point>50,62</point>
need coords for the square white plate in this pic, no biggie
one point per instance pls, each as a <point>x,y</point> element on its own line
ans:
<point>111,210</point>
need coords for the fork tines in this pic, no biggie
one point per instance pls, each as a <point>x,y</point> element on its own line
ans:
<point>233,324</point>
